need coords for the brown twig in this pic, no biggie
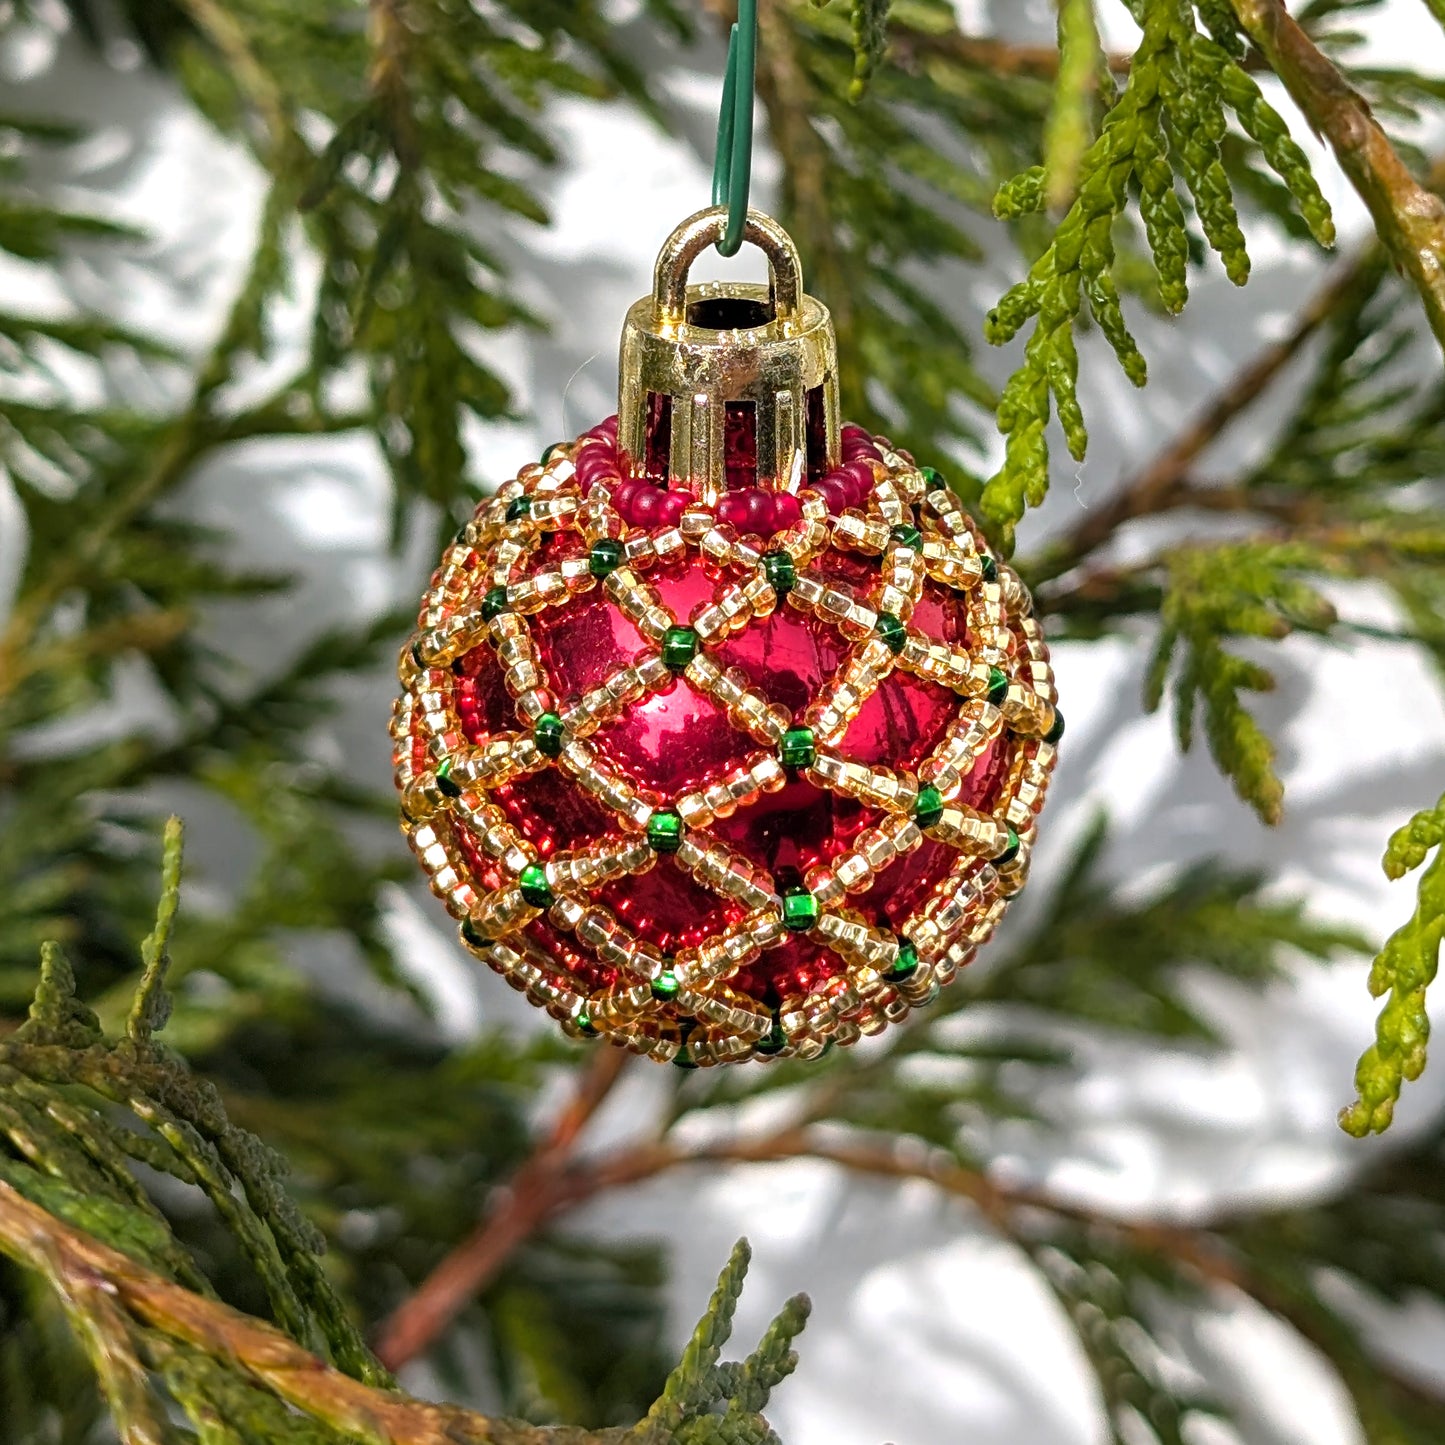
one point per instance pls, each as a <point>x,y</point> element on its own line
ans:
<point>73,1261</point>
<point>910,48</point>
<point>1409,218</point>
<point>535,1193</point>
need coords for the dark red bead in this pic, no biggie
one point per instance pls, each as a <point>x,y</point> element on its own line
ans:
<point>787,511</point>
<point>857,477</point>
<point>624,497</point>
<point>733,509</point>
<point>646,506</point>
<point>673,505</point>
<point>760,512</point>
<point>833,493</point>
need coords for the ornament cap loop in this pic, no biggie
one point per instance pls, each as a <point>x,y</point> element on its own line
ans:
<point>706,228</point>
<point>728,385</point>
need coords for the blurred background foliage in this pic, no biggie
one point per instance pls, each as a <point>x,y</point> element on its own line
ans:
<point>401,141</point>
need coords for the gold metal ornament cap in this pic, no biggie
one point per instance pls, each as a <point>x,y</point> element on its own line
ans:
<point>728,384</point>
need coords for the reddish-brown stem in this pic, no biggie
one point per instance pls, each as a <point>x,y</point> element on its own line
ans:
<point>535,1193</point>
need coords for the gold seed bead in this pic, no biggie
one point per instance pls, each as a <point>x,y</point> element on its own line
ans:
<point>638,550</point>
<point>502,911</point>
<point>745,554</point>
<point>878,787</point>
<point>669,544</point>
<point>719,868</point>
<point>973,833</point>
<point>576,575</point>
<point>938,662</point>
<point>825,885</point>
<point>548,512</point>
<point>1025,712</point>
<point>808,590</point>
<point>852,529</point>
<point>716,543</point>
<point>496,761</point>
<point>854,941</point>
<point>917,988</point>
<point>888,500</point>
<point>610,789</point>
<point>531,705</point>
<point>504,557</point>
<point>696,521</point>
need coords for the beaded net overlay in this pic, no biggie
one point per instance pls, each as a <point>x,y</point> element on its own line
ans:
<point>718,796</point>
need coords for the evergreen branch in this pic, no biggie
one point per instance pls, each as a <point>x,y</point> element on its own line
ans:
<point>1404,968</point>
<point>78,1264</point>
<point>100,1324</point>
<point>1171,117</point>
<point>691,1384</point>
<point>1166,484</point>
<point>1067,135</point>
<point>870,40</point>
<point>152,1006</point>
<point>1409,218</point>
<point>1249,589</point>
<point>529,1200</point>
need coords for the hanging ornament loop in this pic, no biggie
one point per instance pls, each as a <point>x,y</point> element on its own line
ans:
<point>732,170</point>
<point>693,237</point>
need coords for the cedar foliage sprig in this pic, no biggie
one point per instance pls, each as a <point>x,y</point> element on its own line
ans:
<point>78,1105</point>
<point>1404,968</point>
<point>1169,120</point>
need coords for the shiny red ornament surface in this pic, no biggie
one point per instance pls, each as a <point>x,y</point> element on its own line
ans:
<point>677,740</point>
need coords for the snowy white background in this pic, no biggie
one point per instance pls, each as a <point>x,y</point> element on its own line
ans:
<point>926,1329</point>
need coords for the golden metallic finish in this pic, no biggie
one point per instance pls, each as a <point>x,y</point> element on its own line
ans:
<point>782,348</point>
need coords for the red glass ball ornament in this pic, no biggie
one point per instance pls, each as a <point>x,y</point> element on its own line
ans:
<point>732,781</point>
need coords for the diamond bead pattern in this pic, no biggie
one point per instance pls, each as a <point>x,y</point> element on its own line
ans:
<point>541,830</point>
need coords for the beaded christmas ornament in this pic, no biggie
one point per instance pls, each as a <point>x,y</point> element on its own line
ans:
<point>722,734</point>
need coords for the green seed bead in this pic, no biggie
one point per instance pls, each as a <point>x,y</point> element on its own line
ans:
<point>679,647</point>
<point>416,656</point>
<point>1012,851</point>
<point>683,1059</point>
<point>534,886</point>
<point>892,631</point>
<point>584,1020</point>
<point>906,964</point>
<point>932,478</point>
<point>928,808</point>
<point>552,452</point>
<point>494,603</point>
<point>445,782</point>
<point>773,1042</point>
<point>990,569</point>
<point>518,508</point>
<point>665,986</point>
<point>798,748</point>
<point>997,686</point>
<point>800,910</point>
<point>549,735</point>
<point>664,832</point>
<point>1057,730</point>
<point>471,936</point>
<point>605,557</point>
<point>781,572</point>
<point>907,535</point>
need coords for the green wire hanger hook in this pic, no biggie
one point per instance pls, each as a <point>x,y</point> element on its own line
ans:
<point>732,168</point>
